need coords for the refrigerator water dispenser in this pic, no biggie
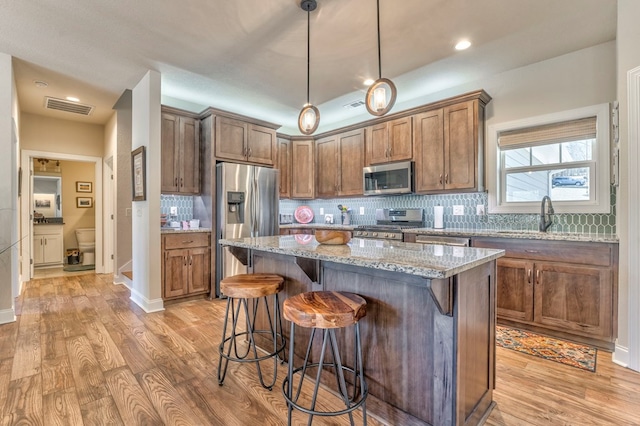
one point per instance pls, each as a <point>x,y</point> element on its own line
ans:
<point>235,207</point>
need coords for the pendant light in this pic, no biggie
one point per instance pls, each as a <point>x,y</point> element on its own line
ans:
<point>382,93</point>
<point>309,117</point>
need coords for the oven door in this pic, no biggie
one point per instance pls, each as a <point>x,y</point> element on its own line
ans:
<point>388,179</point>
<point>443,241</point>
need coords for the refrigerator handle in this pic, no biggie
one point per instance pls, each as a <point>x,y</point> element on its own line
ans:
<point>252,204</point>
<point>256,204</point>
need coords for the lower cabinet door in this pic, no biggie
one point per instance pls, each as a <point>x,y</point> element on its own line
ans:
<point>199,270</point>
<point>515,289</point>
<point>176,273</point>
<point>574,298</point>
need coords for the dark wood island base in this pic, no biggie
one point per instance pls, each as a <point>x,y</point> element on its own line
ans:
<point>428,343</point>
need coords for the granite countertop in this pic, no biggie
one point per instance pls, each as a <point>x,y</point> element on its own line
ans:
<point>513,233</point>
<point>429,261</point>
<point>167,230</point>
<point>336,226</point>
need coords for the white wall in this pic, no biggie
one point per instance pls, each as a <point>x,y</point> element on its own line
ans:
<point>8,190</point>
<point>146,288</point>
<point>628,57</point>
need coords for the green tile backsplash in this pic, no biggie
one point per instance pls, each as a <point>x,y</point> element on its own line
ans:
<point>581,223</point>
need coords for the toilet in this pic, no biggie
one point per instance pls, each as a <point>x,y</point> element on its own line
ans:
<point>87,244</point>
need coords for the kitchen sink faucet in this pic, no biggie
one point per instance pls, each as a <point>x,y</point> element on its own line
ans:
<point>545,214</point>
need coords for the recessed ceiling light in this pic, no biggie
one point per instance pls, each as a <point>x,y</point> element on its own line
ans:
<point>463,44</point>
<point>72,99</point>
<point>368,82</point>
<point>40,83</point>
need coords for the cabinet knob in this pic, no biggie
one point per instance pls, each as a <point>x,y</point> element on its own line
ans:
<point>175,182</point>
<point>440,178</point>
<point>529,276</point>
<point>249,153</point>
<point>446,178</point>
<point>181,184</point>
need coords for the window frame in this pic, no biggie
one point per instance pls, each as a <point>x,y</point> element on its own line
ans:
<point>599,174</point>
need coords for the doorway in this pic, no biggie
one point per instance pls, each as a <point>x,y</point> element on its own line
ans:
<point>83,193</point>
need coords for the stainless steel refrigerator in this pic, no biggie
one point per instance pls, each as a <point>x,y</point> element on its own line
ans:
<point>247,206</point>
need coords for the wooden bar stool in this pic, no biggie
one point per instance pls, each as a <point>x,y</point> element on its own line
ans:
<point>239,289</point>
<point>326,310</point>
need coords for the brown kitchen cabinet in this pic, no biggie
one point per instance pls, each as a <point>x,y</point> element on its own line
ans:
<point>563,288</point>
<point>284,166</point>
<point>448,146</point>
<point>389,141</point>
<point>240,141</point>
<point>302,169</point>
<point>186,264</point>
<point>180,146</point>
<point>339,163</point>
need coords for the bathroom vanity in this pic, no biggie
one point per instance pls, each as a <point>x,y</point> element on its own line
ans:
<point>48,245</point>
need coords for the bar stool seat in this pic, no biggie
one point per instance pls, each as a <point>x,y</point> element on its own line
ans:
<point>240,289</point>
<point>327,311</point>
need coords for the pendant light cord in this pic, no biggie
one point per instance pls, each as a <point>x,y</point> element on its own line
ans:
<point>308,52</point>
<point>379,60</point>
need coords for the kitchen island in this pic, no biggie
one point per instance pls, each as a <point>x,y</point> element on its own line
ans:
<point>429,333</point>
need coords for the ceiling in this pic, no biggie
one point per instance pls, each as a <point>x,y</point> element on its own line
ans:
<point>250,56</point>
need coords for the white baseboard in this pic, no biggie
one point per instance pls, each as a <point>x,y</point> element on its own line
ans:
<point>7,316</point>
<point>147,305</point>
<point>621,356</point>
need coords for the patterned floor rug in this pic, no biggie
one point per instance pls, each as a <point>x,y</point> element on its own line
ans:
<point>575,355</point>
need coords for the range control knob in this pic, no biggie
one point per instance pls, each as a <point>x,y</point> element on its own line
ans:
<point>374,234</point>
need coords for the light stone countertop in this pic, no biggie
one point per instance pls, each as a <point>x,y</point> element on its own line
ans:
<point>429,261</point>
<point>318,225</point>
<point>167,230</point>
<point>513,233</point>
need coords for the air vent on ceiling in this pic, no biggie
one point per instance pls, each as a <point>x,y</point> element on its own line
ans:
<point>67,106</point>
<point>354,104</point>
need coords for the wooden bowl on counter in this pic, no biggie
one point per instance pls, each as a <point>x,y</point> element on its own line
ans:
<point>330,236</point>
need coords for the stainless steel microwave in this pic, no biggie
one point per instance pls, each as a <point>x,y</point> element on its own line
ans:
<point>388,179</point>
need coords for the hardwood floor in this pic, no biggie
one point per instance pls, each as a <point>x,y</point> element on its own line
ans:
<point>82,353</point>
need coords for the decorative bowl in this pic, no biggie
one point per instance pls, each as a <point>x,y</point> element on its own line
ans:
<point>330,236</point>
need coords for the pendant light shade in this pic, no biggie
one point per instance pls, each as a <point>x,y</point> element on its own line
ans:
<point>309,117</point>
<point>381,95</point>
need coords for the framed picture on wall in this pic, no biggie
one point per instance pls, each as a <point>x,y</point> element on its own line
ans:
<point>138,174</point>
<point>84,187</point>
<point>84,202</point>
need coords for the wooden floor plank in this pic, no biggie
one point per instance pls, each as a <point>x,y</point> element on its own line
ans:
<point>105,350</point>
<point>61,408</point>
<point>166,399</point>
<point>87,373</point>
<point>24,402</point>
<point>102,412</point>
<point>100,359</point>
<point>133,405</point>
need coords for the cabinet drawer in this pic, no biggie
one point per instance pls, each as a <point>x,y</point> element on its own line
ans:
<point>186,240</point>
<point>582,253</point>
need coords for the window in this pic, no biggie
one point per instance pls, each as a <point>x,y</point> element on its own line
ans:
<point>563,155</point>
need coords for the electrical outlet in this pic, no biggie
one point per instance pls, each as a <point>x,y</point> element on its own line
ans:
<point>361,211</point>
<point>173,210</point>
<point>458,210</point>
<point>480,209</point>
<point>321,211</point>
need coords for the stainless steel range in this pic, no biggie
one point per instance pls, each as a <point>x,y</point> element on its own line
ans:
<point>390,223</point>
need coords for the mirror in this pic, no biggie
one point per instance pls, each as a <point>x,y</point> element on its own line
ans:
<point>47,195</point>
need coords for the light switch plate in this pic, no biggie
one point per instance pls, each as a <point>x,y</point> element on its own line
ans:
<point>480,209</point>
<point>361,211</point>
<point>321,211</point>
<point>458,210</point>
<point>173,210</point>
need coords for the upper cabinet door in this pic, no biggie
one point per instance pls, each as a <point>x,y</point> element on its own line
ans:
<point>189,155</point>
<point>284,166</point>
<point>231,139</point>
<point>261,145</point>
<point>351,157</point>
<point>302,169</point>
<point>327,167</point>
<point>429,151</point>
<point>169,141</point>
<point>461,145</point>
<point>377,144</point>
<point>400,139</point>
